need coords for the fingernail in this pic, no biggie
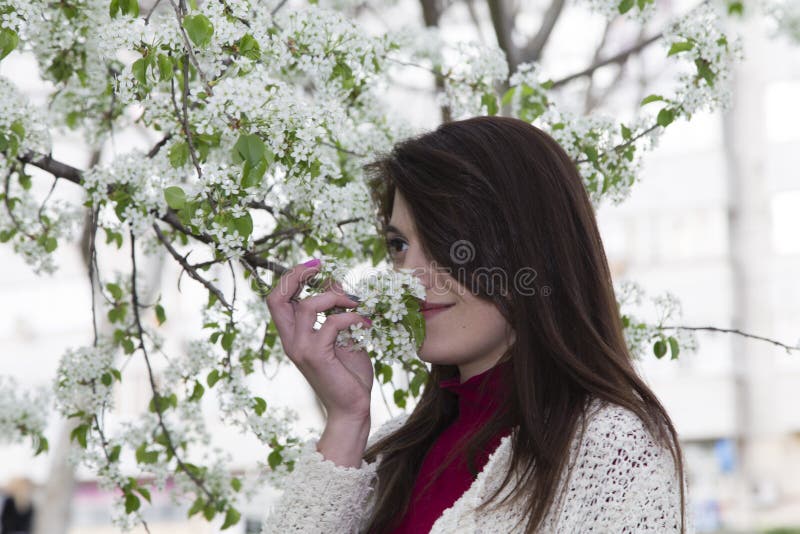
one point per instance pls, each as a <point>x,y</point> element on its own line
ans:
<point>352,297</point>
<point>312,262</point>
<point>368,321</point>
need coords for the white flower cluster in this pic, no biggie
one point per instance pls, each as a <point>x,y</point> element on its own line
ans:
<point>611,8</point>
<point>786,16</point>
<point>640,335</point>
<point>708,49</point>
<point>16,109</point>
<point>612,174</point>
<point>390,299</point>
<point>84,380</point>
<point>469,69</point>
<point>33,229</point>
<point>23,412</point>
<point>529,97</point>
<point>236,409</point>
<point>330,49</point>
<point>471,72</point>
<point>143,181</point>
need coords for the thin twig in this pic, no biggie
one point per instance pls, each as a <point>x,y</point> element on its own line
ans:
<point>156,396</point>
<point>188,268</point>
<point>192,57</point>
<point>617,58</point>
<point>788,348</point>
<point>150,13</point>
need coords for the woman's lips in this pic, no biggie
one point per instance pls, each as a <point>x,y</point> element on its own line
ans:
<point>435,310</point>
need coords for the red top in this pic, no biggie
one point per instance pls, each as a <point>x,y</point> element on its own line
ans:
<point>475,406</point>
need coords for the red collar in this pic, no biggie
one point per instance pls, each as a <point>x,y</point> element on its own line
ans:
<point>480,394</point>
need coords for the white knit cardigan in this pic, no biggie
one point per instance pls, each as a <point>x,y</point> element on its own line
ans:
<point>621,482</point>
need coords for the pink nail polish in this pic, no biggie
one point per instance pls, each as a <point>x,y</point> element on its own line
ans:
<point>368,321</point>
<point>312,262</point>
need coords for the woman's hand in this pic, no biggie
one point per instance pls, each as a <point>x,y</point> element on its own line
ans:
<point>340,376</point>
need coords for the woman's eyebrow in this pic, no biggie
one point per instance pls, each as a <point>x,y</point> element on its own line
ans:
<point>390,228</point>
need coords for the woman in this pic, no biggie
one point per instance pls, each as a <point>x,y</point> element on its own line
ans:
<point>533,418</point>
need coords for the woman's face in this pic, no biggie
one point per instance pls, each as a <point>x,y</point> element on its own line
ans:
<point>471,332</point>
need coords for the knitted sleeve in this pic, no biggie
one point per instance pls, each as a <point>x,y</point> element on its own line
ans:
<point>322,497</point>
<point>622,480</point>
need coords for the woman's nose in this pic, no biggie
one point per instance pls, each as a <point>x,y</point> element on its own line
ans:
<point>420,266</point>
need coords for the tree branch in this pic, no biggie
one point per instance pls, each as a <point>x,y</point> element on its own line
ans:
<point>199,483</point>
<point>189,269</point>
<point>617,58</point>
<point>503,24</point>
<point>788,348</point>
<point>533,50</point>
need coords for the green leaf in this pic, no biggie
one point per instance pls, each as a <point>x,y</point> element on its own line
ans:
<point>625,6</point>
<point>665,117</point>
<point>249,47</point>
<point>50,244</point>
<point>130,7</point>
<point>244,225</point>
<point>674,349</point>
<point>209,511</point>
<point>106,379</point>
<point>704,71</point>
<point>161,315</point>
<point>227,340</point>
<point>143,456</point>
<point>626,132</point>
<point>196,507</point>
<point>197,392</point>
<point>139,69</point>
<point>507,96</point>
<point>212,378</point>
<point>735,8</point>
<point>659,348</point>
<point>591,153</point>
<point>175,196</point>
<point>274,459</point>
<point>8,41</point>
<point>251,148</point>
<point>260,405</point>
<point>132,503</point>
<point>236,484</point>
<point>232,517</point>
<point>252,174</point>
<point>113,456</point>
<point>115,290</point>
<point>199,29</point>
<point>165,71</point>
<point>683,46</point>
<point>179,154</point>
<point>400,397</point>
<point>113,8</point>
<point>79,434</point>
<point>128,346</point>
<point>490,101</point>
<point>651,98</point>
<point>417,382</point>
<point>144,492</point>
<point>378,250</point>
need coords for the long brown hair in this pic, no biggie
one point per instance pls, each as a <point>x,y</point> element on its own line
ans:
<point>511,191</point>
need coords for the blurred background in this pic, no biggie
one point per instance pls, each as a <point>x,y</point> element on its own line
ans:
<point>715,221</point>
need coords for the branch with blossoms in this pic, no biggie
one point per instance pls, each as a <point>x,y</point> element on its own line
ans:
<point>261,120</point>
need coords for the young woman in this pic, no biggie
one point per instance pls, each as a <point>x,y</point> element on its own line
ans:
<point>533,418</point>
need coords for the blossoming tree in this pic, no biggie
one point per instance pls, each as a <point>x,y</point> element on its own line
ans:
<point>264,114</point>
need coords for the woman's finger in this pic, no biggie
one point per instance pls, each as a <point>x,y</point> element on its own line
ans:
<point>279,300</point>
<point>334,323</point>
<point>306,310</point>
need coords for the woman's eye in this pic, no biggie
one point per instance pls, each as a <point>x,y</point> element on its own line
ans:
<point>395,245</point>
